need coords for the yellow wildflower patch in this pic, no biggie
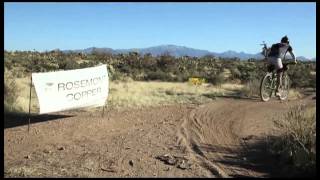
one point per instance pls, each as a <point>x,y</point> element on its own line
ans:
<point>196,81</point>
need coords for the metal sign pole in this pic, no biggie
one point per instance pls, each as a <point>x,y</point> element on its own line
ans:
<point>30,103</point>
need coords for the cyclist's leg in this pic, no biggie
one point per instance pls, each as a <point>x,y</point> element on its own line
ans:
<point>279,67</point>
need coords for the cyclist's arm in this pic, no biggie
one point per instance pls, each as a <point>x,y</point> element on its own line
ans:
<point>292,54</point>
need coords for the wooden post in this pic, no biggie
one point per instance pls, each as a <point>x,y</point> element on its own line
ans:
<point>103,111</point>
<point>30,103</point>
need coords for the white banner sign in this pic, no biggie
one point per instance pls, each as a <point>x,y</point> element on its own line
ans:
<point>63,90</point>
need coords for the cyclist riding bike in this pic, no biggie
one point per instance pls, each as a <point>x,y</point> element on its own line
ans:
<point>275,56</point>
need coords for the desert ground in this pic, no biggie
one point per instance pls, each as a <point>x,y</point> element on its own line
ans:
<point>224,137</point>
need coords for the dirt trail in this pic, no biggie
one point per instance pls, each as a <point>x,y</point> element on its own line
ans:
<point>228,137</point>
<point>219,139</point>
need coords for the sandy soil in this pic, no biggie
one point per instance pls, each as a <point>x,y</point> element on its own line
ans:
<point>224,138</point>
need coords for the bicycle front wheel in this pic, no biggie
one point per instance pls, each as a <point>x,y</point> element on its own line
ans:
<point>266,87</point>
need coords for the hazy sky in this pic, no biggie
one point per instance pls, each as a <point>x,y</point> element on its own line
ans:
<point>215,27</point>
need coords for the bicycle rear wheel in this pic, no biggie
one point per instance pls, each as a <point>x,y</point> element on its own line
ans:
<point>266,87</point>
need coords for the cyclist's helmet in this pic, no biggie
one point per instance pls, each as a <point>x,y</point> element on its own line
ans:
<point>285,39</point>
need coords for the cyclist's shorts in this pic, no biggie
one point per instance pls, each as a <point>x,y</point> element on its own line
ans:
<point>277,62</point>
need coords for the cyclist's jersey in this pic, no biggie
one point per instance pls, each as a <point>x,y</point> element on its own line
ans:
<point>279,50</point>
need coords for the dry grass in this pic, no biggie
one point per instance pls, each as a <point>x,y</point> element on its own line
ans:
<point>23,171</point>
<point>138,94</point>
<point>20,92</point>
<point>13,90</point>
<point>129,93</point>
<point>231,87</point>
<point>297,142</point>
<point>313,73</point>
<point>226,73</point>
<point>294,94</point>
<point>251,88</point>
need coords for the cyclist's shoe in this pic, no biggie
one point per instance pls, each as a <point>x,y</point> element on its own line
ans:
<point>278,93</point>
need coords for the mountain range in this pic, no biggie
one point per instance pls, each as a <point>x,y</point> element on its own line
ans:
<point>177,51</point>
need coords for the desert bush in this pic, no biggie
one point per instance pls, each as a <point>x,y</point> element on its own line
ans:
<point>48,66</point>
<point>158,75</point>
<point>313,81</point>
<point>10,93</point>
<point>248,71</point>
<point>251,88</point>
<point>68,64</point>
<point>217,78</point>
<point>301,76</point>
<point>235,73</point>
<point>17,73</point>
<point>115,76</point>
<point>297,144</point>
<point>8,64</point>
<point>39,65</point>
<point>183,76</point>
<point>126,79</point>
<point>163,67</point>
<point>166,63</point>
<point>87,64</point>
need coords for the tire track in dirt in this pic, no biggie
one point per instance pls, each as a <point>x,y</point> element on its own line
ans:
<point>189,135</point>
<point>219,135</point>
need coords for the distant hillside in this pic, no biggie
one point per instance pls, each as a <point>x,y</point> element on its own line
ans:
<point>173,50</point>
<point>176,51</point>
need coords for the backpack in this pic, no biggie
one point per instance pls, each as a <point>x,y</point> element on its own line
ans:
<point>274,50</point>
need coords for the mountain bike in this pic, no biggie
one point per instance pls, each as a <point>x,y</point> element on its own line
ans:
<point>269,81</point>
